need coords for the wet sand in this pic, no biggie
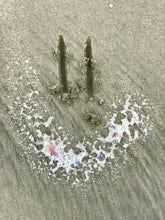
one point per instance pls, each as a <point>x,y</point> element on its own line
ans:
<point>128,48</point>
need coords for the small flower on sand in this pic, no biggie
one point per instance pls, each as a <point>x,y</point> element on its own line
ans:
<point>101,156</point>
<point>51,149</point>
<point>114,134</point>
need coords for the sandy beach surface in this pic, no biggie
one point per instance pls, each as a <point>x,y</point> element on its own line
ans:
<point>103,173</point>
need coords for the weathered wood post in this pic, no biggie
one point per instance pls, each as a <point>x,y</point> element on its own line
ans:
<point>62,64</point>
<point>89,70</point>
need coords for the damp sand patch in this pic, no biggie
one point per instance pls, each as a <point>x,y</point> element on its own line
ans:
<point>58,153</point>
<point>50,148</point>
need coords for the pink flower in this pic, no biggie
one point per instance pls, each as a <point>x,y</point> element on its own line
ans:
<point>52,150</point>
<point>114,134</point>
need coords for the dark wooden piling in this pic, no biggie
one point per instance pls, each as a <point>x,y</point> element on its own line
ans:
<point>89,70</point>
<point>62,64</point>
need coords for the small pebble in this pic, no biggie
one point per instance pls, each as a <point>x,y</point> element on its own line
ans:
<point>101,101</point>
<point>110,5</point>
<point>39,147</point>
<point>91,99</point>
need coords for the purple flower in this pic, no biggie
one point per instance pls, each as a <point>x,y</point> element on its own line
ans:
<point>101,156</point>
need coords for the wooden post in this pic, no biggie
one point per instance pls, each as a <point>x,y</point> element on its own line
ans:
<point>62,64</point>
<point>89,71</point>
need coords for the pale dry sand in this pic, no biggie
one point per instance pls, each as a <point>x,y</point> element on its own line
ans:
<point>128,45</point>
